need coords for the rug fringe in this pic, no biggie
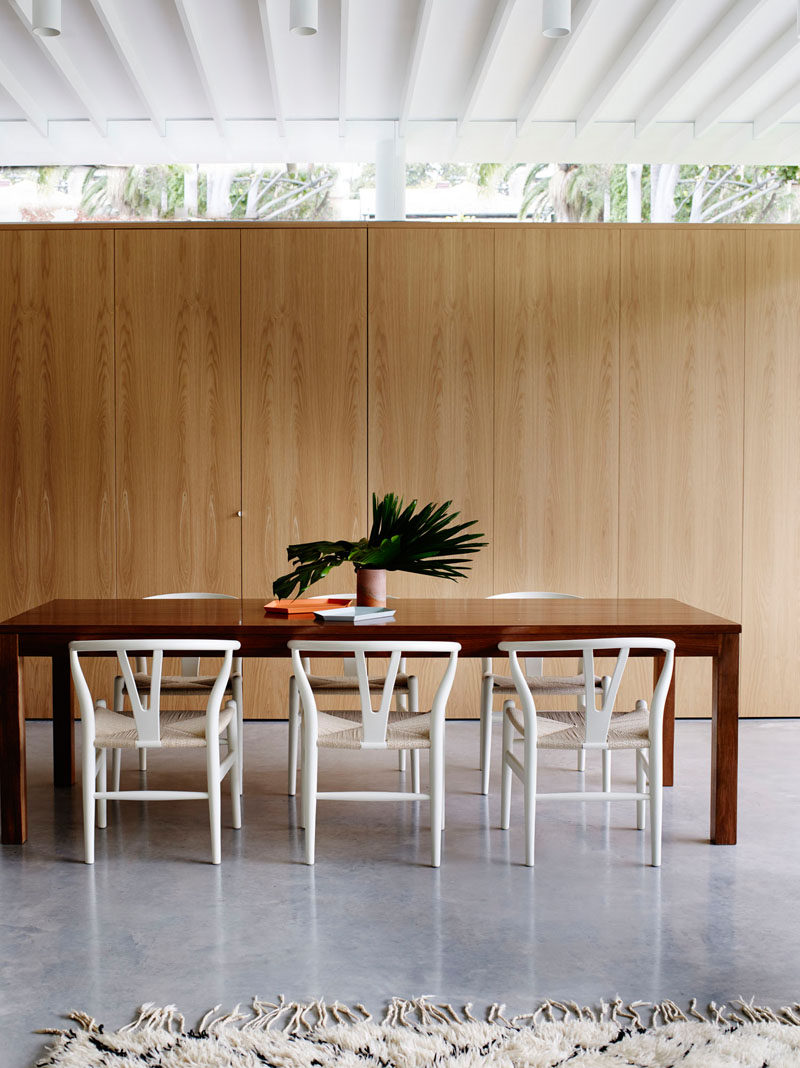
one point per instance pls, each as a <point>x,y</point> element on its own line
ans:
<point>297,1018</point>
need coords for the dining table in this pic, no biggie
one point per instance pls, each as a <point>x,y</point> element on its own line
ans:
<point>478,624</point>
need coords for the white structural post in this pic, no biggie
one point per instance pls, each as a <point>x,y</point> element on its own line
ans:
<point>390,179</point>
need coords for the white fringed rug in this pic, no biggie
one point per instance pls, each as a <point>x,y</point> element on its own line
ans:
<point>418,1034</point>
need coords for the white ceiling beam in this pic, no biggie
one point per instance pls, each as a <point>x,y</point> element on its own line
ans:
<point>559,51</point>
<point>54,49</point>
<point>188,19</point>
<point>424,12</point>
<point>35,114</point>
<point>780,48</point>
<point>272,70</point>
<point>735,18</point>
<point>108,12</point>
<point>502,13</point>
<point>344,46</point>
<point>775,114</point>
<point>647,30</point>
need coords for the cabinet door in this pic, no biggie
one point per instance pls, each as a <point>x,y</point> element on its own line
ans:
<point>771,573</point>
<point>682,396</point>
<point>57,428</point>
<point>178,411</point>
<point>304,415</point>
<point>431,396</point>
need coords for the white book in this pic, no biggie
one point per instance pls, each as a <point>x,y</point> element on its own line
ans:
<point>354,614</point>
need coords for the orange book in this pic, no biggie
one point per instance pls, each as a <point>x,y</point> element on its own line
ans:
<point>307,607</point>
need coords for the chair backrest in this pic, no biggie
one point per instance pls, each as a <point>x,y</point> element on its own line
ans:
<point>146,712</point>
<point>597,719</point>
<point>533,665</point>
<point>374,720</point>
<point>190,665</point>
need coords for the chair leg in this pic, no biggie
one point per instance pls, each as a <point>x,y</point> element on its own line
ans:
<point>294,735</point>
<point>581,760</point>
<point>238,696</point>
<point>656,778</point>
<point>102,787</point>
<point>505,787</point>
<point>236,791</point>
<point>437,805</point>
<point>401,760</point>
<point>116,767</point>
<point>529,784</point>
<point>641,783</point>
<point>415,771</point>
<point>214,805</point>
<point>606,771</point>
<point>142,760</point>
<point>89,777</point>
<point>309,788</point>
<point>487,686</point>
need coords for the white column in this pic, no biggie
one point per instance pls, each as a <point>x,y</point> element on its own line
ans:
<point>390,179</point>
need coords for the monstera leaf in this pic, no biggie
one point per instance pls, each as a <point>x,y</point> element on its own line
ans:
<point>425,542</point>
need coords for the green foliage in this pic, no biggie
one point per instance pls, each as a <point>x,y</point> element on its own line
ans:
<point>428,542</point>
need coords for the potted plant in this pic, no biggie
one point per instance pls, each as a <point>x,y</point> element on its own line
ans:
<point>424,542</point>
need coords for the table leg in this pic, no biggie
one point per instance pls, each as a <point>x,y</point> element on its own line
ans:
<point>668,738</point>
<point>63,722</point>
<point>13,776</point>
<point>725,741</point>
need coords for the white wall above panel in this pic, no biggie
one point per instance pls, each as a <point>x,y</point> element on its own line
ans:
<point>201,80</point>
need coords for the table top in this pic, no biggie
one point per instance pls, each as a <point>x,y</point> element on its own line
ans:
<point>478,623</point>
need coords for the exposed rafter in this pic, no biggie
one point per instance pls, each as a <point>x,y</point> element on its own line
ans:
<point>559,50</point>
<point>23,99</point>
<point>55,50</point>
<point>272,70</point>
<point>500,19</point>
<point>776,112</point>
<point>108,11</point>
<point>780,48</point>
<point>344,45</point>
<point>732,21</point>
<point>648,28</point>
<point>188,18</point>
<point>424,12</point>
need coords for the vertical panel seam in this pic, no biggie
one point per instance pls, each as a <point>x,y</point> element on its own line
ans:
<point>494,409</point>
<point>115,406</point>
<point>745,239</point>
<point>619,406</point>
<point>241,431</point>
<point>367,319</point>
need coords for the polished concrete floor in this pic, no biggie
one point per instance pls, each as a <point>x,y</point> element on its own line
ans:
<point>153,921</point>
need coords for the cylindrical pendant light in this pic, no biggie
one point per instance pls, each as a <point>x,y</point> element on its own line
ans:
<point>556,17</point>
<point>46,17</point>
<point>303,16</point>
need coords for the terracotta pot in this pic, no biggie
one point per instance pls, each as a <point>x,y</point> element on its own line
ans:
<point>370,588</point>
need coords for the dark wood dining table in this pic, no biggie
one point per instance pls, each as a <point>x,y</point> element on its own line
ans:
<point>478,624</point>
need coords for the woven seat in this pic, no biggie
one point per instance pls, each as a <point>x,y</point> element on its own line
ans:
<point>179,685</point>
<point>343,729</point>
<point>348,684</point>
<point>179,730</point>
<point>547,686</point>
<point>567,730</point>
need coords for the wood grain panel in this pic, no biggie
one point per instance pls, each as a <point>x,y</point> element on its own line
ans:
<point>57,429</point>
<point>681,427</point>
<point>771,577</point>
<point>178,411</point>
<point>431,298</point>
<point>304,417</point>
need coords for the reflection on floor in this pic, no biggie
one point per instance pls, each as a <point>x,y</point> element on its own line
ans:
<point>153,921</point>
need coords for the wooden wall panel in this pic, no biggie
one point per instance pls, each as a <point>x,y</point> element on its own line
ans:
<point>771,576</point>
<point>682,395</point>
<point>57,428</point>
<point>431,393</point>
<point>556,411</point>
<point>304,417</point>
<point>178,411</point>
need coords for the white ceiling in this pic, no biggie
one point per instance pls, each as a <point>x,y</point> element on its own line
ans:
<point>135,81</point>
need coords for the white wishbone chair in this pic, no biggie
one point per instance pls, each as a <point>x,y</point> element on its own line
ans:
<point>590,728</point>
<point>541,684</point>
<point>373,728</point>
<point>150,727</point>
<point>188,684</point>
<point>406,693</point>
